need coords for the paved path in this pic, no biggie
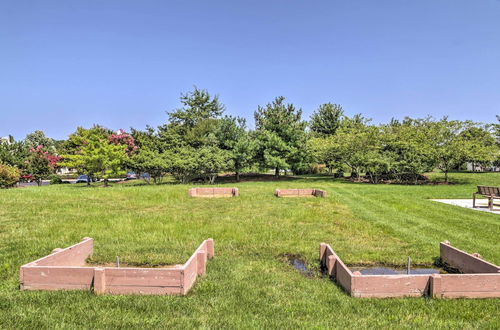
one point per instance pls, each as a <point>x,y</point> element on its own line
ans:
<point>467,203</point>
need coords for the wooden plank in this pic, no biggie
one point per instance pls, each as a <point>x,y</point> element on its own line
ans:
<point>302,192</point>
<point>324,252</point>
<point>201,261</point>
<point>223,191</point>
<point>343,275</point>
<point>320,193</point>
<point>99,280</point>
<point>210,248</point>
<point>288,192</point>
<point>390,285</point>
<point>328,258</point>
<point>470,283</point>
<point>74,255</point>
<point>471,294</point>
<point>356,294</point>
<point>55,287</point>
<point>204,191</point>
<point>331,265</point>
<point>190,274</point>
<point>465,262</point>
<point>213,192</point>
<point>435,286</point>
<point>81,276</point>
<point>142,277</point>
<point>156,290</point>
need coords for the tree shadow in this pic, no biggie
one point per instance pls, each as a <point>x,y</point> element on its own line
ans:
<point>253,177</point>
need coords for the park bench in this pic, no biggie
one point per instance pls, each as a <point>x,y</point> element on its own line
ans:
<point>490,192</point>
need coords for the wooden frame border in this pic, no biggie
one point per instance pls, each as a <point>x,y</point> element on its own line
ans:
<point>481,278</point>
<point>65,269</point>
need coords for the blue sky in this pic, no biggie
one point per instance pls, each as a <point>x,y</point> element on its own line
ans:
<point>124,63</point>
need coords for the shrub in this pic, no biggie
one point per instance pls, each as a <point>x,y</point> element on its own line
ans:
<point>9,176</point>
<point>55,179</point>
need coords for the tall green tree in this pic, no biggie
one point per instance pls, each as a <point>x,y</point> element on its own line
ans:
<point>326,119</point>
<point>150,156</point>
<point>95,155</point>
<point>41,163</point>
<point>198,105</point>
<point>14,154</point>
<point>183,163</point>
<point>281,137</point>
<point>80,137</point>
<point>355,147</point>
<point>195,123</point>
<point>496,134</point>
<point>409,145</point>
<point>233,136</point>
<point>38,138</point>
<point>450,149</point>
<point>210,161</point>
<point>190,133</point>
<point>480,146</point>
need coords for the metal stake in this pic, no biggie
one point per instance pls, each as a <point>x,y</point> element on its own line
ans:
<point>408,267</point>
<point>118,261</point>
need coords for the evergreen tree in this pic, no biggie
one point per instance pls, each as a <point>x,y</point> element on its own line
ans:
<point>280,132</point>
<point>327,119</point>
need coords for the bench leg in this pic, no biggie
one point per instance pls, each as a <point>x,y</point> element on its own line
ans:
<point>473,200</point>
<point>490,203</point>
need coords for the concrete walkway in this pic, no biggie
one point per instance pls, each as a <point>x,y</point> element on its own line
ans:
<point>467,203</point>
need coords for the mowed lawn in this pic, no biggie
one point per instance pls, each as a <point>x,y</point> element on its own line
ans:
<point>249,283</point>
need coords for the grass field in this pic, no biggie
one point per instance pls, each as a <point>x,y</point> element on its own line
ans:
<point>249,284</point>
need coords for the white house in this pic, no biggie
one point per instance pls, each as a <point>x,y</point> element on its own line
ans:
<point>9,139</point>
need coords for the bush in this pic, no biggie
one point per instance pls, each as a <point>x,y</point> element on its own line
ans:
<point>55,179</point>
<point>9,176</point>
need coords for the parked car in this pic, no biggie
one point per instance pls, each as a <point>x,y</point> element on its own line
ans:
<point>131,176</point>
<point>82,179</point>
<point>27,178</point>
<point>145,176</point>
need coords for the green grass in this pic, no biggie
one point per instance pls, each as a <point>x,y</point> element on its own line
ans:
<point>249,284</point>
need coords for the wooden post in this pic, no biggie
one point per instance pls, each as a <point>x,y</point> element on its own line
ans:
<point>435,286</point>
<point>210,248</point>
<point>201,262</point>
<point>331,265</point>
<point>322,249</point>
<point>21,278</point>
<point>99,280</point>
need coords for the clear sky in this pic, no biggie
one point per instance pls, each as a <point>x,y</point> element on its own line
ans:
<point>124,63</point>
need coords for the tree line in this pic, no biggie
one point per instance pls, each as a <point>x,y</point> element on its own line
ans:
<point>199,142</point>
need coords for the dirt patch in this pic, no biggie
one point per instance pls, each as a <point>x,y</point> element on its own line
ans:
<point>254,177</point>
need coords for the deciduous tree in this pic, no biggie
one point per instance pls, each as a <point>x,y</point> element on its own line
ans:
<point>9,175</point>
<point>95,154</point>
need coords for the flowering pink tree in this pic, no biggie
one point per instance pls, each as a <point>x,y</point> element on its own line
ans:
<point>41,163</point>
<point>123,138</point>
